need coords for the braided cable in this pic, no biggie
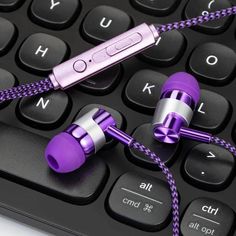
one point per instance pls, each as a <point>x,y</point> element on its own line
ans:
<point>197,20</point>
<point>222,143</point>
<point>171,181</point>
<point>26,90</point>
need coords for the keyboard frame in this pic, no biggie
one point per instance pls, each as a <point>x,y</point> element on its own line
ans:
<point>58,217</point>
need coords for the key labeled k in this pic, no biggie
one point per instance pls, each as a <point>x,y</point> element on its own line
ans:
<point>148,88</point>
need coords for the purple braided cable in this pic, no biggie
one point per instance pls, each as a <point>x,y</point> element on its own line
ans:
<point>171,181</point>
<point>197,20</point>
<point>222,143</point>
<point>25,90</point>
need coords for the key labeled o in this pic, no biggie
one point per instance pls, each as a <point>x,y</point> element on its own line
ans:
<point>212,60</point>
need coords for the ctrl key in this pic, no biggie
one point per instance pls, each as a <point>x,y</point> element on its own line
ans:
<point>207,217</point>
<point>140,201</point>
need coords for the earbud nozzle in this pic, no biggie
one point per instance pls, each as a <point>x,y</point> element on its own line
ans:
<point>64,154</point>
<point>184,82</point>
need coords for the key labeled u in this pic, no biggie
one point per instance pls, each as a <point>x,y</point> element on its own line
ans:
<point>105,23</point>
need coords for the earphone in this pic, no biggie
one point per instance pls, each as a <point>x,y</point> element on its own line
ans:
<point>69,150</point>
<point>180,94</point>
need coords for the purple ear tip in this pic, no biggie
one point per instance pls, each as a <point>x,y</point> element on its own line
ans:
<point>64,154</point>
<point>184,82</point>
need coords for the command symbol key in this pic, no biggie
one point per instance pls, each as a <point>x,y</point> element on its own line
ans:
<point>141,201</point>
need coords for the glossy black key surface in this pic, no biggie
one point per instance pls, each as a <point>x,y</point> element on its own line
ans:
<point>44,111</point>
<point>55,14</point>
<point>103,82</point>
<point>141,201</point>
<point>105,22</point>
<point>209,167</point>
<point>162,54</point>
<point>115,114</point>
<point>207,115</point>
<point>144,89</point>
<point>25,164</point>
<point>144,135</point>
<point>41,52</point>
<point>7,80</point>
<point>9,5</point>
<point>204,7</point>
<point>7,35</point>
<point>157,8</point>
<point>206,216</point>
<point>213,63</point>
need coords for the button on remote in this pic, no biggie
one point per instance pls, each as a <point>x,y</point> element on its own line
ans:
<point>206,217</point>
<point>80,66</point>
<point>124,44</point>
<point>141,201</point>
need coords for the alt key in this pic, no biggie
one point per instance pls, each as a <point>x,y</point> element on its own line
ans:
<point>141,201</point>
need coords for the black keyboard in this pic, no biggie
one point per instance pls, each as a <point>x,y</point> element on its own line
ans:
<point>118,191</point>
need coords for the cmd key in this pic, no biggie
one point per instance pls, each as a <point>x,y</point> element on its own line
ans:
<point>207,217</point>
<point>204,7</point>
<point>55,14</point>
<point>105,22</point>
<point>144,134</point>
<point>141,201</point>
<point>213,63</point>
<point>7,35</point>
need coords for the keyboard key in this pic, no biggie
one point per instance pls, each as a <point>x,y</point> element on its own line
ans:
<point>161,53</point>
<point>105,22</point>
<point>157,8</point>
<point>141,201</point>
<point>102,83</point>
<point>56,14</point>
<point>7,80</point>
<point>207,115</point>
<point>144,89</point>
<point>9,5</point>
<point>144,134</point>
<point>22,161</point>
<point>41,52</point>
<point>115,114</point>
<point>7,35</point>
<point>203,7</point>
<point>45,111</point>
<point>206,216</point>
<point>213,63</point>
<point>209,167</point>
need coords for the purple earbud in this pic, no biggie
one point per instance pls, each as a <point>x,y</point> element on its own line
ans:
<point>69,150</point>
<point>179,97</point>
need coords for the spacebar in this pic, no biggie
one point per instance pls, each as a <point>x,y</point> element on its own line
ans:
<point>22,161</point>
